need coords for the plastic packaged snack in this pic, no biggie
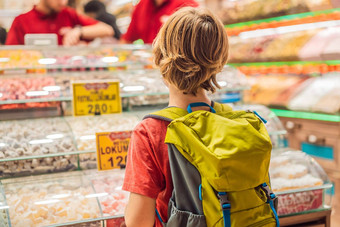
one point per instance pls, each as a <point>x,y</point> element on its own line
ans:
<point>300,183</point>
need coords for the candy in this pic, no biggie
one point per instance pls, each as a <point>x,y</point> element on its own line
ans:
<point>35,137</point>
<point>46,202</point>
<point>20,59</point>
<point>19,88</point>
<point>114,203</point>
<point>85,128</point>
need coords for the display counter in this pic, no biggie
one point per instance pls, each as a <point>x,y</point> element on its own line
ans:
<point>39,157</point>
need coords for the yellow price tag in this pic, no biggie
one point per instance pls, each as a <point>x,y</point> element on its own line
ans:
<point>96,98</point>
<point>112,149</point>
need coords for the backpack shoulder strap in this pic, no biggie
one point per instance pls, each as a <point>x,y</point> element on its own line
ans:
<point>172,113</point>
<point>167,114</point>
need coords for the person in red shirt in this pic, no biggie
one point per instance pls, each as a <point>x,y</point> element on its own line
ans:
<point>53,16</point>
<point>148,17</point>
<point>190,49</point>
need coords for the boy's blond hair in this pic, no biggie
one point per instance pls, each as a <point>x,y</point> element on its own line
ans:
<point>191,47</point>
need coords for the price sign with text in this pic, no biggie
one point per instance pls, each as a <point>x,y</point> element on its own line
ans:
<point>96,98</point>
<point>112,149</point>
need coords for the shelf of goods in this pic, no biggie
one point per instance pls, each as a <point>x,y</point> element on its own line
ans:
<point>313,91</point>
<point>232,12</point>
<point>88,196</point>
<point>64,199</point>
<point>305,96</point>
<point>138,88</point>
<point>48,145</point>
<point>282,21</point>
<point>38,156</point>
<point>303,42</point>
<point>41,59</point>
<point>91,196</point>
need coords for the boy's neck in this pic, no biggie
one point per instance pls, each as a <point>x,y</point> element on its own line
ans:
<point>178,99</point>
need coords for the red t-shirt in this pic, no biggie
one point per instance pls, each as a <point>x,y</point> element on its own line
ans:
<point>148,169</point>
<point>147,18</point>
<point>37,22</point>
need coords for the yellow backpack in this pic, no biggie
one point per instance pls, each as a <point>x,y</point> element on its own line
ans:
<point>219,165</point>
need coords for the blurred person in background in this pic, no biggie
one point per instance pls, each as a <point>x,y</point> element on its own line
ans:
<point>54,16</point>
<point>97,10</point>
<point>148,17</point>
<point>3,35</point>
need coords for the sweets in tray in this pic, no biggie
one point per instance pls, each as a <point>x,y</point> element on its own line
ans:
<point>300,183</point>
<point>109,184</point>
<point>56,199</point>
<point>64,198</point>
<point>13,59</point>
<point>38,137</point>
<point>85,129</point>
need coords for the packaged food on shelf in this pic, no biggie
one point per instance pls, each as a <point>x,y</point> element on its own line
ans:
<point>286,47</point>
<point>50,199</point>
<point>238,11</point>
<point>287,20</point>
<point>332,49</point>
<point>273,89</point>
<point>39,137</point>
<point>16,88</point>
<point>85,129</point>
<point>262,46</point>
<point>329,103</point>
<point>316,47</point>
<point>19,58</point>
<point>300,183</point>
<point>314,91</point>
<point>109,184</point>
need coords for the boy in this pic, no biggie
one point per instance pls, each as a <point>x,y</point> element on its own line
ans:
<point>190,49</point>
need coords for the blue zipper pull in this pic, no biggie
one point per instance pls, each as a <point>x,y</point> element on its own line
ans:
<point>261,118</point>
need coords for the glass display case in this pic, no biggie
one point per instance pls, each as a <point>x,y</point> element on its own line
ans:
<point>41,59</point>
<point>64,199</point>
<point>85,128</point>
<point>50,145</point>
<point>4,218</point>
<point>36,146</point>
<point>299,181</point>
<point>138,87</point>
<point>52,199</point>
